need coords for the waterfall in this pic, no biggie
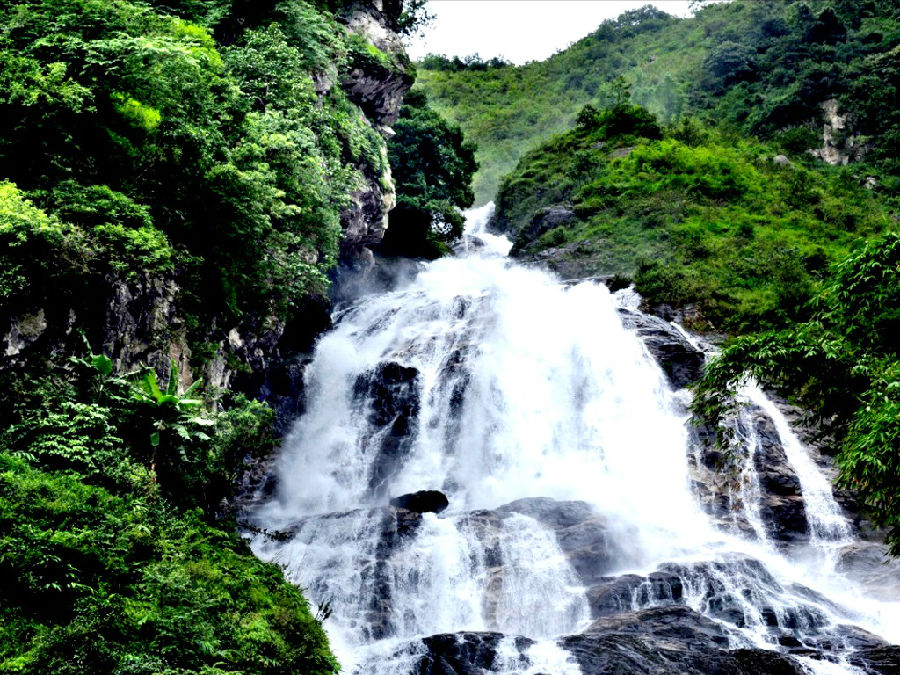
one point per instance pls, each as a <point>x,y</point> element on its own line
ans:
<point>564,454</point>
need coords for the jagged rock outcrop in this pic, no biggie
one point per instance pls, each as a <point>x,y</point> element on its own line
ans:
<point>839,144</point>
<point>681,361</point>
<point>721,480</point>
<point>377,81</point>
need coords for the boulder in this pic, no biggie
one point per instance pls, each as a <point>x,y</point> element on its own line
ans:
<point>469,653</point>
<point>583,535</point>
<point>665,641</point>
<point>423,501</point>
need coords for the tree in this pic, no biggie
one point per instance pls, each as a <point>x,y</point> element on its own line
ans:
<point>433,167</point>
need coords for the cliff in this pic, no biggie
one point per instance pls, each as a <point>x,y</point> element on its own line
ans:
<point>153,316</point>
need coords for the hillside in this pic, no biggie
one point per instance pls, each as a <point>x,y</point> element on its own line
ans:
<point>696,216</point>
<point>765,68</point>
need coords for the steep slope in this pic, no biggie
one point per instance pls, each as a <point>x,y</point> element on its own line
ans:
<point>695,216</point>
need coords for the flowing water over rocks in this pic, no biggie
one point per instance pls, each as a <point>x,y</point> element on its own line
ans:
<point>496,473</point>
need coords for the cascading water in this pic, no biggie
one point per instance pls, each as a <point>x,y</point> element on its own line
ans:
<point>563,453</point>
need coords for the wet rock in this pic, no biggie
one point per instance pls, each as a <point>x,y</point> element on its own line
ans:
<point>391,392</point>
<point>423,501</point>
<point>781,499</point>
<point>878,660</point>
<point>868,563</point>
<point>680,360</point>
<point>583,535</point>
<point>469,653</point>
<point>677,623</point>
<point>669,641</point>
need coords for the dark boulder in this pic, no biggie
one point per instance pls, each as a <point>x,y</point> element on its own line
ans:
<point>878,660</point>
<point>677,623</point>
<point>781,499</point>
<point>423,501</point>
<point>583,535</point>
<point>664,640</point>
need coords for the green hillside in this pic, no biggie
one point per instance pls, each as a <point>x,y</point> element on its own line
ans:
<point>764,67</point>
<point>694,214</point>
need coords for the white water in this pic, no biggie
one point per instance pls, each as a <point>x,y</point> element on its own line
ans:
<point>526,388</point>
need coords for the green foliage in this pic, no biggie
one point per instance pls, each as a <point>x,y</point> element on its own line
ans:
<point>114,562</point>
<point>144,134</point>
<point>762,67</point>
<point>692,214</point>
<point>98,582</point>
<point>844,365</point>
<point>41,255</point>
<point>432,166</point>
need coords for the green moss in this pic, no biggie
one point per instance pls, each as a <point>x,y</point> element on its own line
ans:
<point>114,557</point>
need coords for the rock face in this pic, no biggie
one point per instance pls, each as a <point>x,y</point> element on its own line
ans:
<point>781,502</point>
<point>392,393</point>
<point>722,482</point>
<point>377,79</point>
<point>134,321</point>
<point>468,653</point>
<point>837,146</point>
<point>377,83</point>
<point>679,359</point>
<point>544,220</point>
<point>583,535</point>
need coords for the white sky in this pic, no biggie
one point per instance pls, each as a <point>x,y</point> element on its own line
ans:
<point>519,30</point>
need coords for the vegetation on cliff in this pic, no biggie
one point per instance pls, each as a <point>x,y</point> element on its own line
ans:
<point>693,214</point>
<point>204,150</point>
<point>722,201</point>
<point>843,364</point>
<point>151,142</point>
<point>763,67</point>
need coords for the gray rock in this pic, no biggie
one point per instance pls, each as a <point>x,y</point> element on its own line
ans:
<point>583,535</point>
<point>680,360</point>
<point>665,640</point>
<point>467,653</point>
<point>869,563</point>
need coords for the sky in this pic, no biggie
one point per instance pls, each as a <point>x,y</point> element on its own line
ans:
<point>519,30</point>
